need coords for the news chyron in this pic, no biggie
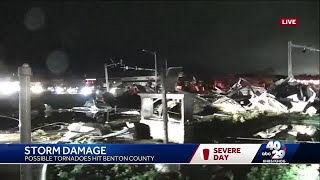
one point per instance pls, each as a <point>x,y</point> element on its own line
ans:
<point>274,151</point>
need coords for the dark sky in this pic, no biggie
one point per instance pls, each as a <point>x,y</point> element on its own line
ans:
<point>204,37</point>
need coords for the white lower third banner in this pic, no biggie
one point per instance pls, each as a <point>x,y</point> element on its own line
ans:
<point>225,154</point>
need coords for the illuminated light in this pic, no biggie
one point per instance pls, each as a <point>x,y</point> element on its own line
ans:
<point>86,90</point>
<point>59,90</point>
<point>316,82</point>
<point>8,88</point>
<point>37,89</point>
<point>50,89</point>
<point>97,92</point>
<point>69,90</point>
<point>113,91</point>
<point>72,90</point>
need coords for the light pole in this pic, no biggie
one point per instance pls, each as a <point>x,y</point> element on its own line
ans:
<point>106,76</point>
<point>155,67</point>
<point>290,46</point>
<point>106,71</point>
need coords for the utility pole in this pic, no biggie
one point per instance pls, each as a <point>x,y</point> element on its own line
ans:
<point>155,71</point>
<point>290,74</point>
<point>290,46</point>
<point>25,74</point>
<point>166,65</point>
<point>164,105</point>
<point>165,168</point>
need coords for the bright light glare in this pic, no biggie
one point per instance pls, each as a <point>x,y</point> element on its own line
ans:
<point>72,90</point>
<point>86,90</point>
<point>113,90</point>
<point>37,89</point>
<point>8,88</point>
<point>50,89</point>
<point>59,90</point>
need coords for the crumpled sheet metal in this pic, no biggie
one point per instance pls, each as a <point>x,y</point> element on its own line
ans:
<point>228,105</point>
<point>302,129</point>
<point>296,129</point>
<point>300,105</point>
<point>269,133</point>
<point>78,129</point>
<point>266,102</point>
<point>245,88</point>
<point>261,100</point>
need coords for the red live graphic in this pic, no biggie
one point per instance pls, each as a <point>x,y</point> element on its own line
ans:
<point>288,21</point>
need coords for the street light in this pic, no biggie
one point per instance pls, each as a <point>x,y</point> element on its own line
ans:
<point>155,66</point>
<point>290,46</point>
<point>106,71</point>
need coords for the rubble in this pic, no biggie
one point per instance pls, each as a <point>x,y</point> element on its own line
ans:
<point>228,105</point>
<point>79,129</point>
<point>302,129</point>
<point>292,129</point>
<point>269,133</point>
<point>130,113</point>
<point>311,111</point>
<point>286,96</point>
<point>96,131</point>
<point>266,102</point>
<point>244,88</point>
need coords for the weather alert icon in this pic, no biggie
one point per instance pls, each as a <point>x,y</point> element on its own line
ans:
<point>206,155</point>
<point>275,151</point>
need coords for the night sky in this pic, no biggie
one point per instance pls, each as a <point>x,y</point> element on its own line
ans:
<point>208,37</point>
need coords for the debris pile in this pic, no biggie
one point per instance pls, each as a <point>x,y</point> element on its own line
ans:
<point>285,96</point>
<point>96,131</point>
<point>266,103</point>
<point>308,132</point>
<point>228,105</point>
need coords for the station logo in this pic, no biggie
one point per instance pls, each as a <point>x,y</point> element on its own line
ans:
<point>274,152</point>
<point>288,21</point>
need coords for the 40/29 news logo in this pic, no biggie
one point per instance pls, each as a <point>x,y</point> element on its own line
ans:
<point>274,152</point>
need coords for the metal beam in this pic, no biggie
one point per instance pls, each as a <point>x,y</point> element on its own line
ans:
<point>305,47</point>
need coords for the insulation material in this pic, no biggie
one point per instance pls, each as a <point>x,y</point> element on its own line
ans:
<point>302,129</point>
<point>228,105</point>
<point>269,133</point>
<point>266,102</point>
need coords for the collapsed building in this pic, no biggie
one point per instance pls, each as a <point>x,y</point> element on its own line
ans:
<point>242,102</point>
<point>286,95</point>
